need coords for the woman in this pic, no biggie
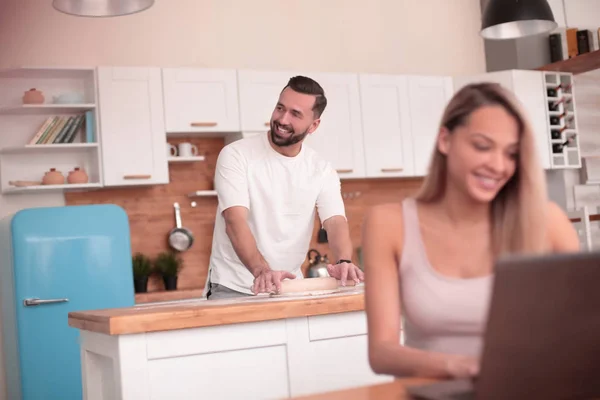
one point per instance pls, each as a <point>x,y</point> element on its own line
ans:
<point>433,255</point>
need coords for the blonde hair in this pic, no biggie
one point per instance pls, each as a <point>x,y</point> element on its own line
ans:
<point>518,211</point>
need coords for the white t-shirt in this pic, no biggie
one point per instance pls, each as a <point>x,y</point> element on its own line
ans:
<point>281,194</point>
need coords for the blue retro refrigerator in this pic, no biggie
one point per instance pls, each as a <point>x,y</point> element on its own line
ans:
<point>52,261</point>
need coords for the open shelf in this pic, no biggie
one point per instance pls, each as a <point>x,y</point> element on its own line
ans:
<point>50,188</point>
<point>186,159</point>
<point>203,193</point>
<point>577,65</point>
<point>47,108</point>
<point>36,148</point>
<point>47,72</point>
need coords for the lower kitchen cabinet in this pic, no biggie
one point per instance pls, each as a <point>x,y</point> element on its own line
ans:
<point>256,360</point>
<point>133,127</point>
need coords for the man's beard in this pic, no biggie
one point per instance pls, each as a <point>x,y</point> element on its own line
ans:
<point>290,140</point>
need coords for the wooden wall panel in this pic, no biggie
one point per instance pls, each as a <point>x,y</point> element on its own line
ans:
<point>151,215</point>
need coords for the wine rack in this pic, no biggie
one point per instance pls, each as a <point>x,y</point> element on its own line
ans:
<point>562,120</point>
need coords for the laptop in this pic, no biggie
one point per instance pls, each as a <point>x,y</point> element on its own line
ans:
<point>542,339</point>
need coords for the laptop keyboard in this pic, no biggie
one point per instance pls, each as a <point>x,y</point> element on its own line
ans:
<point>463,396</point>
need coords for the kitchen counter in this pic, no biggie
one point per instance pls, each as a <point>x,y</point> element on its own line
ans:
<point>254,347</point>
<point>393,390</point>
<point>196,313</point>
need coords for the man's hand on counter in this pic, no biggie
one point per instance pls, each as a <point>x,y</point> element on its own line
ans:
<point>268,281</point>
<point>344,271</point>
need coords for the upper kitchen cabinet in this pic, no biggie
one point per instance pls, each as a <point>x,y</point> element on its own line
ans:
<point>339,135</point>
<point>259,92</point>
<point>386,125</point>
<point>132,126</point>
<point>200,100</point>
<point>428,97</point>
<point>548,101</point>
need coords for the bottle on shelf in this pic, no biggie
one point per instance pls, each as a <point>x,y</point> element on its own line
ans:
<point>559,147</point>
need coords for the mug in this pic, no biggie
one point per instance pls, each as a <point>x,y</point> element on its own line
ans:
<point>187,150</point>
<point>171,150</point>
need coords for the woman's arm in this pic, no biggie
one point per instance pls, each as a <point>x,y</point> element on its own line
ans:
<point>381,248</point>
<point>561,231</point>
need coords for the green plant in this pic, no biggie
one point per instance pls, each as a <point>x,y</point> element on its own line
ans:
<point>168,263</point>
<point>142,265</point>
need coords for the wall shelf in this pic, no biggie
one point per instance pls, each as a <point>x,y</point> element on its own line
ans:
<point>36,148</point>
<point>46,108</point>
<point>203,193</point>
<point>186,159</point>
<point>49,72</point>
<point>50,188</point>
<point>577,65</point>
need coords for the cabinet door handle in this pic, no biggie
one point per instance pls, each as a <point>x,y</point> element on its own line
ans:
<point>36,302</point>
<point>137,176</point>
<point>203,124</point>
<point>392,169</point>
<point>344,171</point>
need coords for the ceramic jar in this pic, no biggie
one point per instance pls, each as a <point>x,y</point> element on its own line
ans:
<point>77,176</point>
<point>33,96</point>
<point>53,177</point>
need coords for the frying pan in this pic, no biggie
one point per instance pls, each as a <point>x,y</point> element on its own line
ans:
<point>180,238</point>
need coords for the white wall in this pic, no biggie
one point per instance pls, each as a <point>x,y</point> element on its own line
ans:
<point>582,14</point>
<point>424,36</point>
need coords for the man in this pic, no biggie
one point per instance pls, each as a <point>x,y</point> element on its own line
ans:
<point>268,187</point>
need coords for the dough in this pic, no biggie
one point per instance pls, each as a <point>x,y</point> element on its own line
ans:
<point>311,284</point>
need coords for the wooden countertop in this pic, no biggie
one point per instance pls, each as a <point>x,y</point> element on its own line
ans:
<point>394,390</point>
<point>196,313</point>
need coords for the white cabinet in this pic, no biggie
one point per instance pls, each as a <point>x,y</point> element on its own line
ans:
<point>259,92</point>
<point>529,88</point>
<point>339,136</point>
<point>132,124</point>
<point>200,100</point>
<point>428,97</point>
<point>266,359</point>
<point>386,125</point>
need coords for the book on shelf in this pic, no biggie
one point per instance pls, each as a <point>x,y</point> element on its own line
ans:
<point>64,129</point>
<point>572,42</point>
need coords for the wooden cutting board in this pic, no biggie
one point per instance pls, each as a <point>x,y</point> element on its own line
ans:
<point>311,286</point>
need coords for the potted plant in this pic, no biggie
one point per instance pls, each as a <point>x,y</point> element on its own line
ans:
<point>168,264</point>
<point>142,268</point>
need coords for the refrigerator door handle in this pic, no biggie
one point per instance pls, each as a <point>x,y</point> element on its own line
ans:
<point>37,302</point>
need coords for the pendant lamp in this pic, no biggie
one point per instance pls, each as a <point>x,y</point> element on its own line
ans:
<point>511,19</point>
<point>101,8</point>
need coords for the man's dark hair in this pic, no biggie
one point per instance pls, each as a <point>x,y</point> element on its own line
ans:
<point>306,85</point>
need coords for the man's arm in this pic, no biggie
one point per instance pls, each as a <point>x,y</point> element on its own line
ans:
<point>332,213</point>
<point>244,244</point>
<point>231,185</point>
<point>338,236</point>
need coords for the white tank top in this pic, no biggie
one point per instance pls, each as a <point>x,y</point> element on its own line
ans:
<point>440,313</point>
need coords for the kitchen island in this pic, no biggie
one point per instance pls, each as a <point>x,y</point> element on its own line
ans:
<point>259,347</point>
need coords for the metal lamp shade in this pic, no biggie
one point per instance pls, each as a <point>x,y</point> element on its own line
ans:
<point>101,8</point>
<point>511,19</point>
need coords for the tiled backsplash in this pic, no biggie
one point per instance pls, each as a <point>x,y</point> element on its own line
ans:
<point>151,214</point>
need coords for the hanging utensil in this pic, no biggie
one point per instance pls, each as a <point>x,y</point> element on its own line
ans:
<point>180,238</point>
